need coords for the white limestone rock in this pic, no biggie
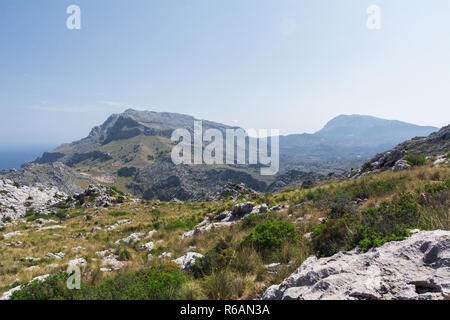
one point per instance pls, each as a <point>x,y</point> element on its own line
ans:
<point>416,268</point>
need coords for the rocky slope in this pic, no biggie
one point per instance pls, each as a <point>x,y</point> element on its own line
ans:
<point>436,145</point>
<point>416,268</point>
<point>54,174</point>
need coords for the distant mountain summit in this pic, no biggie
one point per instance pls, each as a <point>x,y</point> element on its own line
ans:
<point>362,130</point>
<point>346,141</point>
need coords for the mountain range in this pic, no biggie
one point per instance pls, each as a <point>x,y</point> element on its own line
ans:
<point>132,151</point>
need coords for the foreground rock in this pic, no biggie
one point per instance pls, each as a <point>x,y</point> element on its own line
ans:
<point>416,268</point>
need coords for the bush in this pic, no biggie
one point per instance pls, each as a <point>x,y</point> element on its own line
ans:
<point>435,188</point>
<point>6,219</point>
<point>339,204</point>
<point>372,227</point>
<point>184,223</point>
<point>271,234</point>
<point>415,159</point>
<point>124,255</point>
<point>333,236</point>
<point>153,284</point>
<point>215,259</point>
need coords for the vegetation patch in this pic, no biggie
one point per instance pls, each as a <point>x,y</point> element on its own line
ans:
<point>415,159</point>
<point>153,284</point>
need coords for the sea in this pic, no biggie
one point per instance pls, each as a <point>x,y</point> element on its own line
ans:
<point>14,156</point>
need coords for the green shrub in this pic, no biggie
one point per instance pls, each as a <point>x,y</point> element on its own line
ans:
<point>6,219</point>
<point>215,259</point>
<point>153,284</point>
<point>271,234</point>
<point>435,188</point>
<point>253,220</point>
<point>339,203</point>
<point>372,227</point>
<point>185,222</point>
<point>333,236</point>
<point>124,254</point>
<point>415,159</point>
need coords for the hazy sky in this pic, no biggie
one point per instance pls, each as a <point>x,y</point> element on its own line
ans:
<point>287,64</point>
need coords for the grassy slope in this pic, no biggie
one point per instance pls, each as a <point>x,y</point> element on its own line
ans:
<point>240,271</point>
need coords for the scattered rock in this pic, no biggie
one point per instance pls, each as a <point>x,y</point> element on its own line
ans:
<point>52,227</point>
<point>12,234</point>
<point>262,208</point>
<point>29,259</point>
<point>401,165</point>
<point>131,239</point>
<point>148,246</point>
<point>58,255</point>
<point>188,260</point>
<point>166,255</point>
<point>111,261</point>
<point>272,265</point>
<point>77,262</point>
<point>278,207</point>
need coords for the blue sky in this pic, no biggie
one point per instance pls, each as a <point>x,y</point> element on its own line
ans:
<point>286,64</point>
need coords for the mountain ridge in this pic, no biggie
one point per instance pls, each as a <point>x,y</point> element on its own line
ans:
<point>132,151</point>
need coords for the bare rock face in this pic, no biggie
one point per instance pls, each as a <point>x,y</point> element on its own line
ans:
<point>417,268</point>
<point>16,200</point>
<point>242,209</point>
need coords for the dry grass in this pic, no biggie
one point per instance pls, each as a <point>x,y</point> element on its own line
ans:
<point>245,277</point>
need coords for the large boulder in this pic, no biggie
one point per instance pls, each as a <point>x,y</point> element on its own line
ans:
<point>401,165</point>
<point>242,209</point>
<point>416,268</point>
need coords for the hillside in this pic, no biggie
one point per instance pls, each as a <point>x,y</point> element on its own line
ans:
<point>213,250</point>
<point>434,147</point>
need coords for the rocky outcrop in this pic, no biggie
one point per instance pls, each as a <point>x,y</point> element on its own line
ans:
<point>17,200</point>
<point>227,218</point>
<point>416,268</point>
<point>241,209</point>
<point>401,165</point>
